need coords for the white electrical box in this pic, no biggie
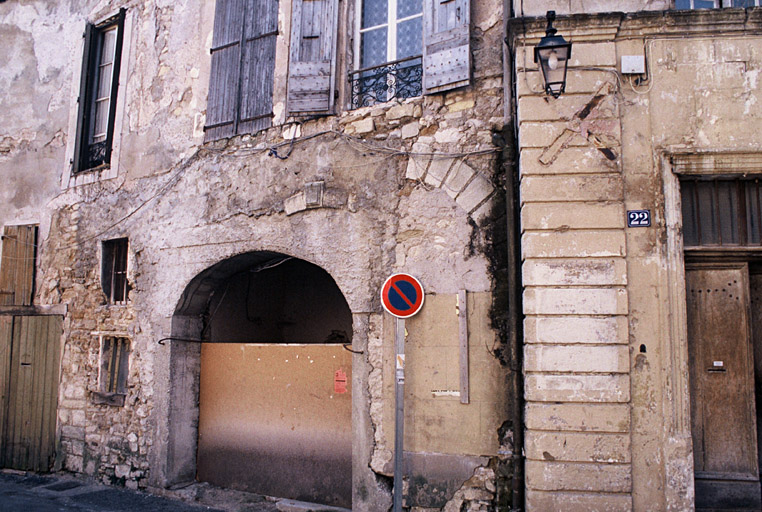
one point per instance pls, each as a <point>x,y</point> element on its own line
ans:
<point>633,65</point>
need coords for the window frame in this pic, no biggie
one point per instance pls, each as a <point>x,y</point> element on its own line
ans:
<point>733,208</point>
<point>368,83</point>
<point>114,268</point>
<point>391,28</point>
<point>82,162</point>
<point>113,369</point>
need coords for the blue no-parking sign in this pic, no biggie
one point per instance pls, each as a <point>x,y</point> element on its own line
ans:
<point>402,295</point>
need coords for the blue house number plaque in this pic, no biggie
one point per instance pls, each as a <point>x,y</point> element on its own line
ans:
<point>638,218</point>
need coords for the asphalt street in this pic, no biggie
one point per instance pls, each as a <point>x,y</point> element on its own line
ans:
<point>29,492</point>
<point>38,493</point>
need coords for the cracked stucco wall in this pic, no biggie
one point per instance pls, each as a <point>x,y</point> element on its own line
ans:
<point>33,138</point>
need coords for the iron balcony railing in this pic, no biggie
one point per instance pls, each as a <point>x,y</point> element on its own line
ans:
<point>378,84</point>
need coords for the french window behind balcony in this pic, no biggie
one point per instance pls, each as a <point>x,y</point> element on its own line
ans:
<point>389,64</point>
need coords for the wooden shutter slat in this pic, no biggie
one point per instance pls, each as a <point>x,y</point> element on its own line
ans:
<point>25,248</point>
<point>223,96</point>
<point>222,102</point>
<point>258,67</point>
<point>8,266</point>
<point>228,19</point>
<point>311,81</point>
<point>446,45</point>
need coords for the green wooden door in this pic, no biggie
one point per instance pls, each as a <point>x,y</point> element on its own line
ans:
<point>29,370</point>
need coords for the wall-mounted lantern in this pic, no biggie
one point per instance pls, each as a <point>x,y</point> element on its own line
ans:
<point>553,54</point>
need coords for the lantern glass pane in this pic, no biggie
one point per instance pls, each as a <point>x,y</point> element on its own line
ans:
<point>553,61</point>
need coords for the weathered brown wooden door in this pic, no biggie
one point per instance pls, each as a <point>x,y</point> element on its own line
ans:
<point>29,370</point>
<point>723,409</point>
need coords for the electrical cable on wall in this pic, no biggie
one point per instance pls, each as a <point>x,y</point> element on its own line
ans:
<point>356,143</point>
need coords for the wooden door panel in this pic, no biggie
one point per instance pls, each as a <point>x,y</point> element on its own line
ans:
<point>6,338</point>
<point>721,372</point>
<point>28,437</point>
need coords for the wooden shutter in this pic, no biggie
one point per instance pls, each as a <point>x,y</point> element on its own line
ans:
<point>311,72</point>
<point>260,32</point>
<point>17,268</point>
<point>115,83</point>
<point>446,52</point>
<point>222,104</point>
<point>81,140</point>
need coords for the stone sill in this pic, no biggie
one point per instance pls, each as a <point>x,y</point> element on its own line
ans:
<point>112,399</point>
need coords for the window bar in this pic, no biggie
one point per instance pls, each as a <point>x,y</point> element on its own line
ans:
<point>697,211</point>
<point>239,91</point>
<point>108,352</point>
<point>117,358</point>
<point>716,208</point>
<point>114,259</point>
<point>743,238</point>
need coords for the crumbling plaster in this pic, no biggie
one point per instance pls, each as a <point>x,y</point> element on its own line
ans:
<point>37,48</point>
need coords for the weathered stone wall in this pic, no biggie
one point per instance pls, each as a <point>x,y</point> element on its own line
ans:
<point>608,425</point>
<point>565,7</point>
<point>412,186</point>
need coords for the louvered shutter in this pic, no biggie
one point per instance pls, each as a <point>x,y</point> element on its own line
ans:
<point>17,265</point>
<point>446,52</point>
<point>312,63</point>
<point>258,65</point>
<point>222,102</point>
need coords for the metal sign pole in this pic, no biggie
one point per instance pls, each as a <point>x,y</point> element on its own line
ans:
<point>399,417</point>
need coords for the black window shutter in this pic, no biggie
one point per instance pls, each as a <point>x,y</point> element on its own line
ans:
<point>312,62</point>
<point>260,33</point>
<point>114,84</point>
<point>83,114</point>
<point>446,51</point>
<point>224,81</point>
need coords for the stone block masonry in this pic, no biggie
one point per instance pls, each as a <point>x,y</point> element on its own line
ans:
<point>576,359</point>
